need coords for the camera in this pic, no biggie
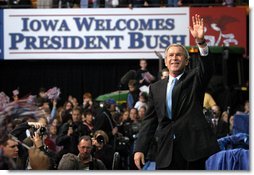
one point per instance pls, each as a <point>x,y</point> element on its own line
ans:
<point>41,131</point>
<point>100,139</point>
<point>209,116</point>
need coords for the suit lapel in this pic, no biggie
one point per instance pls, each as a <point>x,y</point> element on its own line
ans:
<point>176,93</point>
<point>164,95</point>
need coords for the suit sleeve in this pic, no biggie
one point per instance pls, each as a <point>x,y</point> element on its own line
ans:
<point>148,127</point>
<point>205,67</point>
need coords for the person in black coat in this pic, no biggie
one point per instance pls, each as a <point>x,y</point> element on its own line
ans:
<point>70,132</point>
<point>185,139</point>
<point>104,121</point>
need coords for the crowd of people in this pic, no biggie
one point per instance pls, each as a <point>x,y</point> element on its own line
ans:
<point>115,3</point>
<point>87,135</point>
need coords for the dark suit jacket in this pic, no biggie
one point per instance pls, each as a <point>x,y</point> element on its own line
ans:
<point>188,128</point>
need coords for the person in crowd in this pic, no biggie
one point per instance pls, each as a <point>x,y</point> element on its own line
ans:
<point>144,77</point>
<point>245,109</point>
<point>122,127</point>
<point>104,120</point>
<point>132,129</point>
<point>70,132</point>
<point>164,73</point>
<point>38,134</point>
<point>41,97</point>
<point>73,100</point>
<point>66,115</point>
<point>142,100</point>
<point>102,150</point>
<point>88,102</point>
<point>175,110</point>
<point>220,127</point>
<point>50,114</point>
<point>8,153</point>
<point>133,94</point>
<point>50,141</point>
<point>59,115</point>
<point>84,160</point>
<point>88,120</point>
<point>142,112</point>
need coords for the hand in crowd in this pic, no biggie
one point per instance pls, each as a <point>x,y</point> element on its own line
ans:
<point>37,140</point>
<point>70,131</point>
<point>37,125</point>
<point>38,160</point>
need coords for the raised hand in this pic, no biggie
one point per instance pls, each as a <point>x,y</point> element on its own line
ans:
<point>197,30</point>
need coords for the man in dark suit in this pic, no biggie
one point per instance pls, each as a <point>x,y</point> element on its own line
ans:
<point>185,139</point>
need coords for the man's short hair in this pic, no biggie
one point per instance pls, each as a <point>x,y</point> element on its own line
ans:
<point>186,53</point>
<point>4,138</point>
<point>86,138</point>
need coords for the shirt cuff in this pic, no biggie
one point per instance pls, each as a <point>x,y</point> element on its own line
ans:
<point>203,51</point>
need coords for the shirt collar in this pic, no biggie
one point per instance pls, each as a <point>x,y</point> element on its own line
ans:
<point>170,78</point>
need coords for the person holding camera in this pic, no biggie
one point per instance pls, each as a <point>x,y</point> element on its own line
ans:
<point>35,140</point>
<point>84,160</point>
<point>104,120</point>
<point>101,149</point>
<point>70,132</point>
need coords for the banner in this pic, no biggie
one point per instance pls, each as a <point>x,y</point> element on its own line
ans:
<point>93,33</point>
<point>224,26</point>
<point>112,33</point>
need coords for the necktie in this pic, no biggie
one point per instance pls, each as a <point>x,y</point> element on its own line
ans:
<point>169,98</point>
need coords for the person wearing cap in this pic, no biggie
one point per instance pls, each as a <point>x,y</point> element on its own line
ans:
<point>175,110</point>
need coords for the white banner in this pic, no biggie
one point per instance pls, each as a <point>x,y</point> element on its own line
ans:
<point>104,33</point>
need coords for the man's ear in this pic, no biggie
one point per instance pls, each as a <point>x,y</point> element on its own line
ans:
<point>165,61</point>
<point>187,61</point>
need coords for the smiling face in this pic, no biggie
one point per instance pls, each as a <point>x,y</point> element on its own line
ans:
<point>176,60</point>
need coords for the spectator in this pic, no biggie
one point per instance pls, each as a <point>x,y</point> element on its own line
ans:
<point>142,101</point>
<point>8,153</point>
<point>88,120</point>
<point>144,77</point>
<point>164,73</point>
<point>84,160</point>
<point>104,121</point>
<point>103,150</point>
<point>219,126</point>
<point>133,94</point>
<point>70,132</point>
<point>141,112</point>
